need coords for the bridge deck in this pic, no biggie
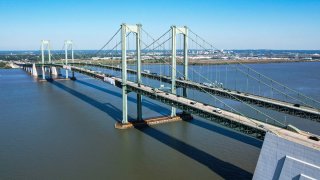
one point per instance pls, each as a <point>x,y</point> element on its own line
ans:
<point>281,106</point>
<point>301,138</point>
<point>249,126</point>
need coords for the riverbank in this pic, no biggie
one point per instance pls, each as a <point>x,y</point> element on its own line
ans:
<point>192,61</point>
<point>4,65</point>
<point>247,61</point>
<point>204,61</point>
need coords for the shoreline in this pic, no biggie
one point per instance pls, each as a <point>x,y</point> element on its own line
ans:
<point>247,61</point>
<point>196,62</point>
<point>205,61</point>
<point>5,65</point>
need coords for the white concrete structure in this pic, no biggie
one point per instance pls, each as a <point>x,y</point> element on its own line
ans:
<point>54,71</point>
<point>284,159</point>
<point>68,44</point>
<point>34,70</point>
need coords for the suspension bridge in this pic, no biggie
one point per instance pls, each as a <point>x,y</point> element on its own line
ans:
<point>164,53</point>
<point>305,112</point>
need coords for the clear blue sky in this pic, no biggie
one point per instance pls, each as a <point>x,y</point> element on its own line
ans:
<point>229,24</point>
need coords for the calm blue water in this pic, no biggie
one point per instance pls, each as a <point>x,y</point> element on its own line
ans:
<point>65,130</point>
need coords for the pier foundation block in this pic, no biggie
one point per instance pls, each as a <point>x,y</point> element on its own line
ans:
<point>154,121</point>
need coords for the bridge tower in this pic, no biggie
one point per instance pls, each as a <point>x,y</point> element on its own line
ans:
<point>45,44</point>
<point>136,29</point>
<point>176,31</point>
<point>68,44</point>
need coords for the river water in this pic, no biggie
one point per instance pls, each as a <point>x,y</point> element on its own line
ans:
<point>65,129</point>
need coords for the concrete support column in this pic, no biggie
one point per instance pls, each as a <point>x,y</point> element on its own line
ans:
<point>173,67</point>
<point>185,59</point>
<point>50,72</point>
<point>138,48</point>
<point>72,54</point>
<point>72,57</point>
<point>49,52</point>
<point>43,72</point>
<point>59,72</point>
<point>42,52</point>
<point>34,70</point>
<point>66,57</point>
<point>124,74</point>
<point>54,71</point>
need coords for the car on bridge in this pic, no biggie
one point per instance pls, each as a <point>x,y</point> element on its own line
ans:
<point>217,110</point>
<point>146,71</point>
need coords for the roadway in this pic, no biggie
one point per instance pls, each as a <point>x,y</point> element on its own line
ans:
<point>231,120</point>
<point>280,106</point>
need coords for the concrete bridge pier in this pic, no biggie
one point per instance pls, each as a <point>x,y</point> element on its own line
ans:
<point>59,72</point>
<point>73,77</point>
<point>34,70</point>
<point>43,72</point>
<point>67,74</point>
<point>54,71</point>
<point>50,73</point>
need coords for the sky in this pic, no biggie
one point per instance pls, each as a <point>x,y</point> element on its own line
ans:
<point>228,24</point>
